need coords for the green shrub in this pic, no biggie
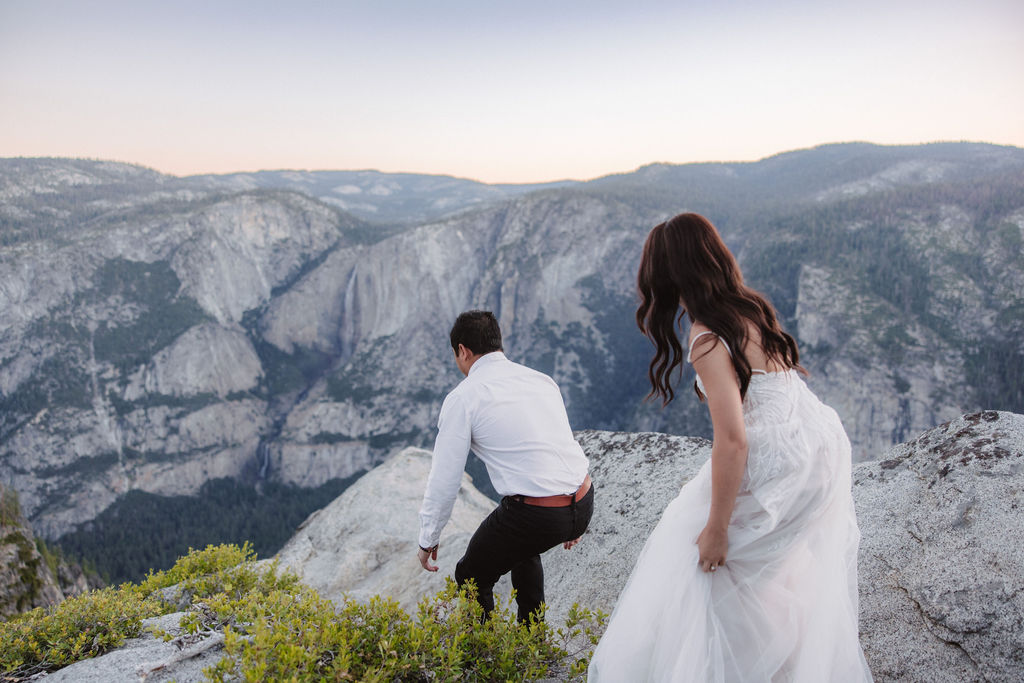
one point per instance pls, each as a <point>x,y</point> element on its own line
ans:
<point>300,636</point>
<point>275,628</point>
<point>202,569</point>
<point>47,639</point>
<point>78,628</point>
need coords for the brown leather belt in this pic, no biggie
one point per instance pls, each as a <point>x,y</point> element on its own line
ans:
<point>564,500</point>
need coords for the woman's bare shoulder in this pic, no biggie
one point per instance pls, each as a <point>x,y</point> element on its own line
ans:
<point>697,328</point>
<point>702,341</point>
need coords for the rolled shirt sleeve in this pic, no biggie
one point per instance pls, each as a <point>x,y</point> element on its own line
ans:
<point>451,448</point>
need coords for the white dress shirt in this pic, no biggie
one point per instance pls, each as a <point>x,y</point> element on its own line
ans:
<point>514,419</point>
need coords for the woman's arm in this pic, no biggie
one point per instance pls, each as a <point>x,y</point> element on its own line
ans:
<point>729,447</point>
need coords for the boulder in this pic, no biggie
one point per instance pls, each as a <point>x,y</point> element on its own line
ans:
<point>941,563</point>
<point>364,543</point>
<point>942,553</point>
<point>635,477</point>
<point>150,658</point>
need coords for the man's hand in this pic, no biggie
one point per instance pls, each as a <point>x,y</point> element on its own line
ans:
<point>425,556</point>
<point>569,544</point>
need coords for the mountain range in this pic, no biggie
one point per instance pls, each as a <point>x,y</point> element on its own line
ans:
<point>158,333</point>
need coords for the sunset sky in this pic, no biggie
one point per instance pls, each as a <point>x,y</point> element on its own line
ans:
<point>501,92</point>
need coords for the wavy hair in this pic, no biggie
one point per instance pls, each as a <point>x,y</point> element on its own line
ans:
<point>686,269</point>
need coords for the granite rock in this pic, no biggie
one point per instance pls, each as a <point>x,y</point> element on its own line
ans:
<point>941,560</point>
<point>942,553</point>
<point>365,542</point>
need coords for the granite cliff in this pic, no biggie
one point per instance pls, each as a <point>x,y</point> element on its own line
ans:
<point>31,575</point>
<point>941,563</point>
<point>160,332</point>
<point>940,566</point>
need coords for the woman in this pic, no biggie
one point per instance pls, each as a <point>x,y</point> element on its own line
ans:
<point>751,574</point>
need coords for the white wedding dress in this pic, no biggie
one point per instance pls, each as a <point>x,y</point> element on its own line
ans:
<point>783,607</point>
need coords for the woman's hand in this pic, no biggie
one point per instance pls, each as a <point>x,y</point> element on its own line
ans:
<point>713,543</point>
<point>728,447</point>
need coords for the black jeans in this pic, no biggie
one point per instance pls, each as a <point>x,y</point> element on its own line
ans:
<point>511,539</point>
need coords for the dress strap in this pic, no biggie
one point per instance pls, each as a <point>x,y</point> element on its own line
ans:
<point>693,342</point>
<point>689,353</point>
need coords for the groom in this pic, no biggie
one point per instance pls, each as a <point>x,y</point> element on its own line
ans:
<point>514,419</point>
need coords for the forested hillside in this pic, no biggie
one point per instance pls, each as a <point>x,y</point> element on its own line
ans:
<point>160,333</point>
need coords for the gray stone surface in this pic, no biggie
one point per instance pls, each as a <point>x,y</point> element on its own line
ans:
<point>206,359</point>
<point>941,564</point>
<point>942,553</point>
<point>941,558</point>
<point>147,659</point>
<point>636,476</point>
<point>25,579</point>
<point>364,543</point>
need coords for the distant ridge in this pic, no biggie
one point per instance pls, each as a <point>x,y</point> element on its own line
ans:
<point>160,332</point>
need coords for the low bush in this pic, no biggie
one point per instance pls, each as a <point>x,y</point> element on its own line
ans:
<point>275,628</point>
<point>47,639</point>
<point>302,637</point>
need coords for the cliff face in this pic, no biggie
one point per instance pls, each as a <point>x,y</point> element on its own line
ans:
<point>126,361</point>
<point>941,563</point>
<point>27,578</point>
<point>157,332</point>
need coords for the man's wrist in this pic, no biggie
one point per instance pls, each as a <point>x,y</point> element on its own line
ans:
<point>430,549</point>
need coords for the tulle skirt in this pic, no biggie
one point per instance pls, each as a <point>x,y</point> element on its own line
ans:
<point>783,607</point>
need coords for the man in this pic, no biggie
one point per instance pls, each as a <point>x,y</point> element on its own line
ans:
<point>514,419</point>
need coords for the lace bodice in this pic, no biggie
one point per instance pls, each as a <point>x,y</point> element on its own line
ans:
<point>779,411</point>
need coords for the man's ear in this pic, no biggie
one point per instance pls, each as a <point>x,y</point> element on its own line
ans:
<point>463,352</point>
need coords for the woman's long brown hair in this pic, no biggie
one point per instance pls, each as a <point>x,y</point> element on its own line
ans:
<point>686,269</point>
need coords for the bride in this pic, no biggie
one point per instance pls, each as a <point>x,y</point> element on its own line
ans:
<point>751,574</point>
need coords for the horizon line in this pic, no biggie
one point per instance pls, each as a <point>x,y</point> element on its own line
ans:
<point>529,182</point>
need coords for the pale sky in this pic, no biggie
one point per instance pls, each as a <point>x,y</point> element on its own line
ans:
<point>518,91</point>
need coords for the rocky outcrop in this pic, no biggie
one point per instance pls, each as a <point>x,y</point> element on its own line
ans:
<point>636,476</point>
<point>25,580</point>
<point>941,562</point>
<point>150,658</point>
<point>365,542</point>
<point>941,566</point>
<point>29,579</point>
<point>942,553</point>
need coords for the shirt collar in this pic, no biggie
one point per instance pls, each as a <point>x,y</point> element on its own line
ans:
<point>487,359</point>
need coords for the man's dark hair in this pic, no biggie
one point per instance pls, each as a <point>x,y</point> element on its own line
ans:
<point>478,331</point>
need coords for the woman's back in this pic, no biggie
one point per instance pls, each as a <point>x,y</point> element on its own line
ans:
<point>751,573</point>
